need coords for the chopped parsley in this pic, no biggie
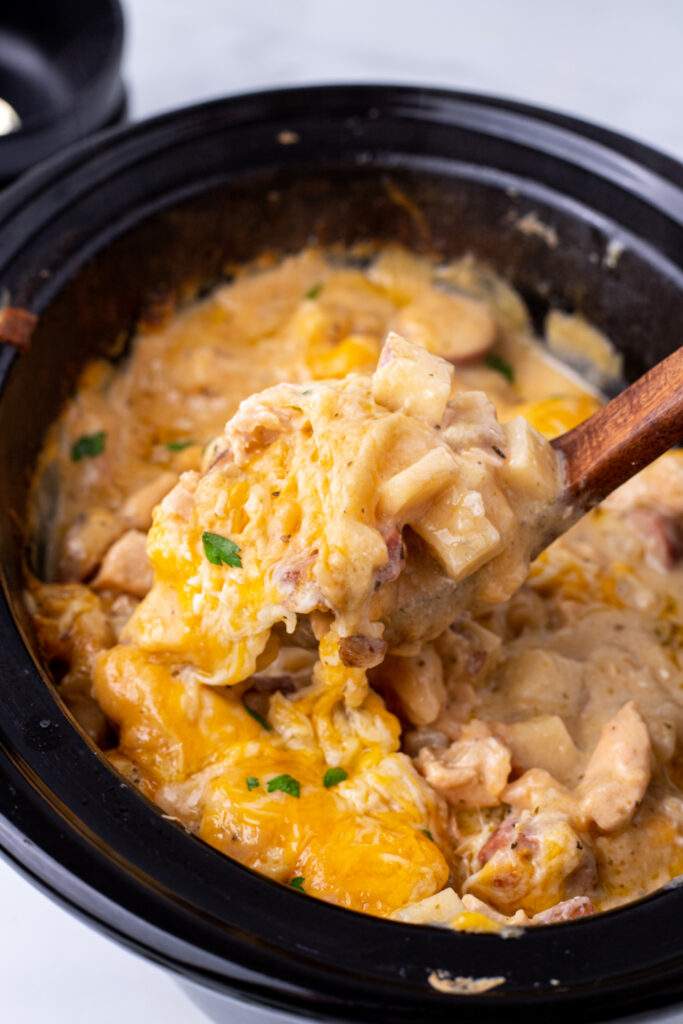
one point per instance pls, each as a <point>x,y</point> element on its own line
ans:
<point>286,784</point>
<point>298,883</point>
<point>179,446</point>
<point>263,722</point>
<point>314,291</point>
<point>333,776</point>
<point>426,832</point>
<point>221,549</point>
<point>252,782</point>
<point>88,446</point>
<point>500,365</point>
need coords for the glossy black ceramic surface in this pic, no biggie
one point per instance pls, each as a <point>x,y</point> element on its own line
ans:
<point>60,70</point>
<point>87,241</point>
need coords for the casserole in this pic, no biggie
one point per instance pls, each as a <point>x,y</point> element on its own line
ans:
<point>89,239</point>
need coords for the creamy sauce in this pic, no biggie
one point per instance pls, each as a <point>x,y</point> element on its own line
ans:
<point>517,766</point>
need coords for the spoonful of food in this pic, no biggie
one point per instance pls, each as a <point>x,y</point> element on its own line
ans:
<point>592,460</point>
<point>374,510</point>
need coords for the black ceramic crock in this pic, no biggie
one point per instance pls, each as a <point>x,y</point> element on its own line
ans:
<point>163,207</point>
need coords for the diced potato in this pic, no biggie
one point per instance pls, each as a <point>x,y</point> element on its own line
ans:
<point>467,524</point>
<point>418,684</point>
<point>456,327</point>
<point>411,379</point>
<point>458,532</point>
<point>541,742</point>
<point>440,908</point>
<point>531,466</point>
<point>540,682</point>
<point>416,485</point>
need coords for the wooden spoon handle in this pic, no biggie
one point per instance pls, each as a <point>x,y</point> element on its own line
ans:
<point>626,435</point>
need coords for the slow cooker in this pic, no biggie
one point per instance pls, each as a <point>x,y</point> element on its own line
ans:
<point>164,207</point>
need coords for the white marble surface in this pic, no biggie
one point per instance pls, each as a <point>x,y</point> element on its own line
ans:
<point>615,61</point>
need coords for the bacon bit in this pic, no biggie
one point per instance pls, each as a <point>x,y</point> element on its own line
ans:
<point>361,651</point>
<point>662,536</point>
<point>158,308</point>
<point>475,662</point>
<point>269,684</point>
<point>568,910</point>
<point>17,326</point>
<point>505,836</point>
<point>393,567</point>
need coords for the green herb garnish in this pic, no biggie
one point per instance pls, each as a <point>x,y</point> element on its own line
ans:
<point>500,365</point>
<point>179,446</point>
<point>426,832</point>
<point>263,722</point>
<point>286,784</point>
<point>88,446</point>
<point>314,291</point>
<point>221,549</point>
<point>252,782</point>
<point>298,883</point>
<point>333,776</point>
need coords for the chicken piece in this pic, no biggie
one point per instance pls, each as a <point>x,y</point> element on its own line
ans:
<point>618,772</point>
<point>86,541</point>
<point>73,628</point>
<point>138,507</point>
<point>417,683</point>
<point>180,500</point>
<point>472,771</point>
<point>125,566</point>
<point>658,486</point>
<point>538,789</point>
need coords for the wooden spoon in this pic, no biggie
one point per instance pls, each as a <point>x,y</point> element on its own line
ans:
<point>623,437</point>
